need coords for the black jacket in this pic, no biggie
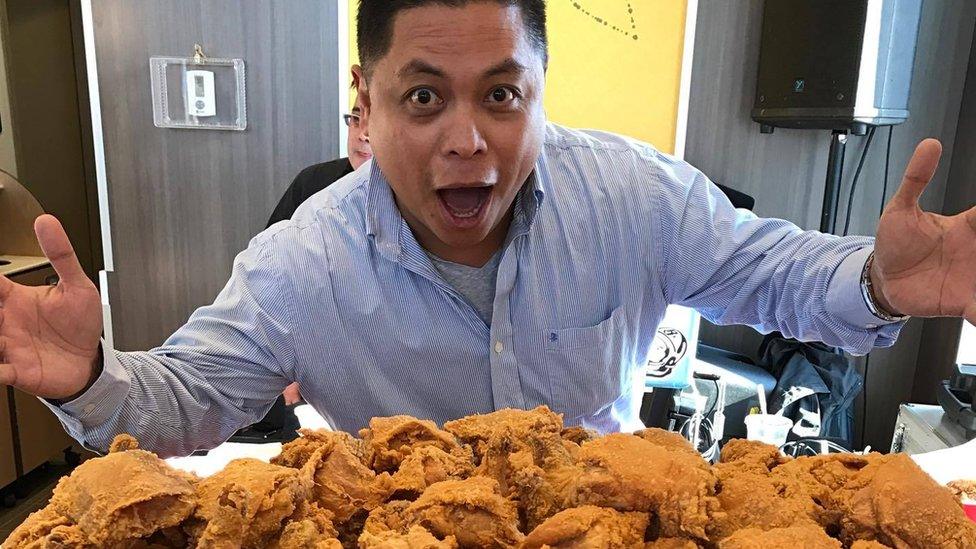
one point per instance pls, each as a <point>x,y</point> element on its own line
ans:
<point>310,181</point>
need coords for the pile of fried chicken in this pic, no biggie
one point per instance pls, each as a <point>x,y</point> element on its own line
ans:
<point>509,479</point>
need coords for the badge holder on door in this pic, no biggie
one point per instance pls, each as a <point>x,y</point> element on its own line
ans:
<point>198,92</point>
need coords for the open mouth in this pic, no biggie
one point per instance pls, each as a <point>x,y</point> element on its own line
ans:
<point>464,205</point>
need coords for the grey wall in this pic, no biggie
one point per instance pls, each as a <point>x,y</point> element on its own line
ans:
<point>184,202</point>
<point>785,171</point>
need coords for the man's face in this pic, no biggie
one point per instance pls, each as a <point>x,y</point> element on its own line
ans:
<point>455,117</point>
<point>357,144</point>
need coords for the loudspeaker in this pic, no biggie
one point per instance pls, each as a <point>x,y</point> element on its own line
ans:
<point>835,64</point>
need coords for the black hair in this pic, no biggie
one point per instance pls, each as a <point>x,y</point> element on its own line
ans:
<point>374,24</point>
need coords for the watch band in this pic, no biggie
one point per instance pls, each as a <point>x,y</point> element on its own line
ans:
<point>867,292</point>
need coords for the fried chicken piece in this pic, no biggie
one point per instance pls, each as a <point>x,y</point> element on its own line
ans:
<point>751,500</point>
<point>343,485</point>
<point>862,544</point>
<point>538,470</point>
<point>578,434</point>
<point>416,537</point>
<point>304,535</point>
<point>759,489</point>
<point>36,531</point>
<point>122,443</point>
<point>669,440</point>
<point>390,440</point>
<point>152,497</point>
<point>314,530</point>
<point>247,502</point>
<point>473,511</point>
<point>589,527</point>
<point>891,500</point>
<point>297,452</point>
<point>963,489</point>
<point>815,478</point>
<point>226,526</point>
<point>428,465</point>
<point>68,537</point>
<point>401,523</point>
<point>796,537</point>
<point>167,538</point>
<point>391,516</point>
<point>628,473</point>
<point>346,488</point>
<point>475,430</point>
<point>751,455</point>
<point>671,543</point>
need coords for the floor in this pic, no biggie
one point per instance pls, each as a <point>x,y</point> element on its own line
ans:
<point>34,491</point>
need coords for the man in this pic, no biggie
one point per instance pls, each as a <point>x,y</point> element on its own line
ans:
<point>484,259</point>
<point>280,423</point>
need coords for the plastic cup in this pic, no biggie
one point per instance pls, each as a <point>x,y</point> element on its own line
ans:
<point>970,508</point>
<point>768,428</point>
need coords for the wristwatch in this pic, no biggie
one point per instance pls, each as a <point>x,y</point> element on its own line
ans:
<point>867,292</point>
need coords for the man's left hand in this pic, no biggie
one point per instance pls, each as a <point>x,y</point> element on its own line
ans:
<point>924,263</point>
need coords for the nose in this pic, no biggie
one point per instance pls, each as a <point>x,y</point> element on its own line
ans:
<point>463,138</point>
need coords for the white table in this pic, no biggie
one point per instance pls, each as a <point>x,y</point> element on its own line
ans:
<point>219,457</point>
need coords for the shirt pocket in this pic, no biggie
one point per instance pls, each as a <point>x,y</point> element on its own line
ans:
<point>584,366</point>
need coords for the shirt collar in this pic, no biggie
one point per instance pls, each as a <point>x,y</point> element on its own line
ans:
<point>385,223</point>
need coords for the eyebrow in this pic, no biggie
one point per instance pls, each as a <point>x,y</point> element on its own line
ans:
<point>508,66</point>
<point>416,66</point>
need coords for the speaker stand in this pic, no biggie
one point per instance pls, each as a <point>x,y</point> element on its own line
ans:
<point>835,169</point>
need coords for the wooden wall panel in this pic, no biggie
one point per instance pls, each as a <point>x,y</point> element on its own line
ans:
<point>183,203</point>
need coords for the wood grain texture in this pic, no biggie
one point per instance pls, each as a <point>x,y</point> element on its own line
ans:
<point>183,203</point>
<point>785,171</point>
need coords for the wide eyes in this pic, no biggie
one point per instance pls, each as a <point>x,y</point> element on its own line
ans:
<point>424,100</point>
<point>424,97</point>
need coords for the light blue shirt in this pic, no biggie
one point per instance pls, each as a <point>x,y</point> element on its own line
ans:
<point>343,299</point>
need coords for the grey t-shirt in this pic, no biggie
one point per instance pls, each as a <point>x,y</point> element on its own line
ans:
<point>476,284</point>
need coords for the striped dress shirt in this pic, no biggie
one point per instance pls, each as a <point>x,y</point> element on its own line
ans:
<point>342,299</point>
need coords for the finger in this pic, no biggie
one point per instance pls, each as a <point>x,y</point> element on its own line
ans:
<point>6,286</point>
<point>919,172</point>
<point>7,375</point>
<point>969,215</point>
<point>57,248</point>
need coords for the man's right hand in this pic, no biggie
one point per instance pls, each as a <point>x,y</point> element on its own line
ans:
<point>49,335</point>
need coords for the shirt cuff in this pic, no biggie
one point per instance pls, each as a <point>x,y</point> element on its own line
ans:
<point>100,402</point>
<point>844,298</point>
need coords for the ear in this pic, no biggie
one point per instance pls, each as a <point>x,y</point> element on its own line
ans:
<point>365,104</point>
<point>357,76</point>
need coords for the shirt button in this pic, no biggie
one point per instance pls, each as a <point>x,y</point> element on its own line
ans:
<point>499,347</point>
<point>89,408</point>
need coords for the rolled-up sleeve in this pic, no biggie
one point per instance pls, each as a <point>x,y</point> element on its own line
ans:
<point>736,268</point>
<point>219,372</point>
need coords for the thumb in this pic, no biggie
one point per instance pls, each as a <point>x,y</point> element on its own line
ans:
<point>919,172</point>
<point>57,248</point>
